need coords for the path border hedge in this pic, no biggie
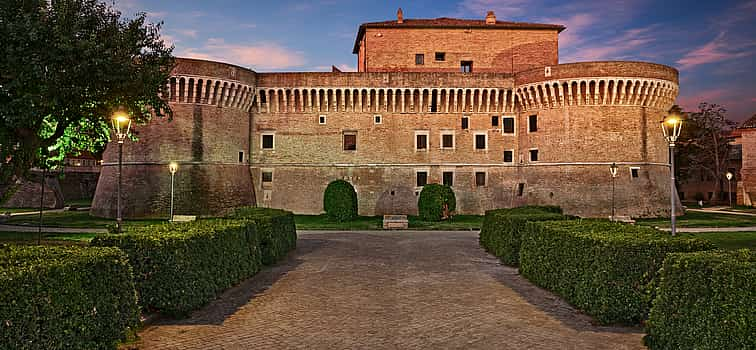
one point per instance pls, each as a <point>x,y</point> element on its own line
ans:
<point>601,267</point>
<point>65,298</point>
<point>705,300</point>
<point>277,229</point>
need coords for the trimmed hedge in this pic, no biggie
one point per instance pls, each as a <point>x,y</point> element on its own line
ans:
<point>180,267</point>
<point>601,267</point>
<point>430,205</point>
<point>500,234</point>
<point>277,230</point>
<point>65,298</point>
<point>705,300</point>
<point>340,201</point>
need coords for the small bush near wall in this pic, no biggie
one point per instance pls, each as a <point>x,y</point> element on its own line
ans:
<point>500,234</point>
<point>180,267</point>
<point>601,267</point>
<point>276,228</point>
<point>340,201</point>
<point>433,197</point>
<point>65,298</point>
<point>705,300</point>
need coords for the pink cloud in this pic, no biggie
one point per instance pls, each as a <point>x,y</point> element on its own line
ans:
<point>716,50</point>
<point>261,56</point>
<point>629,43</point>
<point>689,102</point>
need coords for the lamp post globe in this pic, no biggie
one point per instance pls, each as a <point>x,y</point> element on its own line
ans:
<point>613,170</point>
<point>671,127</point>
<point>121,126</point>
<point>172,167</point>
<point>729,177</point>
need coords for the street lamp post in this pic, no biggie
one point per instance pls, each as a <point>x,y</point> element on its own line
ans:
<point>121,125</point>
<point>729,189</point>
<point>671,127</point>
<point>173,167</point>
<point>613,170</point>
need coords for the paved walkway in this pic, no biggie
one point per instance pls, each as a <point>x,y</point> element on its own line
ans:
<point>387,290</point>
<point>47,229</point>
<point>711,229</point>
<point>721,210</point>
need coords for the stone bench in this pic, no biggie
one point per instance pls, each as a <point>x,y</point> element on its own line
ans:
<point>625,219</point>
<point>184,218</point>
<point>395,222</point>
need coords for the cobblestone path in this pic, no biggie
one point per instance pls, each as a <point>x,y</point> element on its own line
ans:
<point>387,290</point>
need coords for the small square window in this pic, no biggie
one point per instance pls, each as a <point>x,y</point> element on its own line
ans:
<point>466,66</point>
<point>533,155</point>
<point>508,125</point>
<point>508,156</point>
<point>634,172</point>
<point>422,178</point>
<point>419,59</point>
<point>377,119</point>
<point>268,141</point>
<point>495,120</point>
<point>480,141</point>
<point>421,142</point>
<point>241,156</point>
<point>440,56</point>
<point>322,119</point>
<point>448,178</point>
<point>520,189</point>
<point>350,141</point>
<point>465,123</point>
<point>447,141</point>
<point>533,123</point>
<point>480,178</point>
<point>267,176</point>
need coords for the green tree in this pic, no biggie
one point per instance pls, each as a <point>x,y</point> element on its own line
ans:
<point>65,67</point>
<point>340,201</point>
<point>435,201</point>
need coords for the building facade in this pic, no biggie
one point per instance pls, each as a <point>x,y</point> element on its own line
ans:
<point>481,105</point>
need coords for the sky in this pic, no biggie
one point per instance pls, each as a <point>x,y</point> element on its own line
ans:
<point>711,43</point>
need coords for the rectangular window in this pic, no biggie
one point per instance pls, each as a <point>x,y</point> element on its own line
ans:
<point>422,178</point>
<point>377,119</point>
<point>508,125</point>
<point>520,189</point>
<point>495,120</point>
<point>465,123</point>
<point>440,56</point>
<point>466,66</point>
<point>447,141</point>
<point>509,156</point>
<point>480,178</point>
<point>268,141</point>
<point>350,141</point>
<point>241,157</point>
<point>533,155</point>
<point>419,59</point>
<point>448,178</point>
<point>634,172</point>
<point>481,141</point>
<point>421,141</point>
<point>533,123</point>
<point>267,176</point>
<point>322,119</point>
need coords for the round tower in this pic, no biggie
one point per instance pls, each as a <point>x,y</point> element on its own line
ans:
<point>208,137</point>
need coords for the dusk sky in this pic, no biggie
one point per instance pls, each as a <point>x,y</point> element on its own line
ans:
<point>711,43</point>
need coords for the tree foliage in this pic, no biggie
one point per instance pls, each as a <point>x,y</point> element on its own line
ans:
<point>65,67</point>
<point>704,148</point>
<point>436,200</point>
<point>340,201</point>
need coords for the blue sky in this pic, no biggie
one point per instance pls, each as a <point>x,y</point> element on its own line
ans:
<point>712,43</point>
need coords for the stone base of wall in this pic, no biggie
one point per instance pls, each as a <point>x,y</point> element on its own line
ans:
<point>584,190</point>
<point>27,193</point>
<point>79,185</point>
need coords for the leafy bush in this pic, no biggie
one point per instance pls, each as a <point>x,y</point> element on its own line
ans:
<point>340,201</point>
<point>601,267</point>
<point>276,228</point>
<point>430,205</point>
<point>705,300</point>
<point>65,298</point>
<point>180,267</point>
<point>500,234</point>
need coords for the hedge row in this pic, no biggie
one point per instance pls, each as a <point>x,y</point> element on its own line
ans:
<point>180,267</point>
<point>500,234</point>
<point>278,232</point>
<point>601,267</point>
<point>705,300</point>
<point>340,201</point>
<point>65,298</point>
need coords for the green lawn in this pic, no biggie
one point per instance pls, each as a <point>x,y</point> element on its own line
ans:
<point>80,202</point>
<point>76,219</point>
<point>322,222</point>
<point>727,240</point>
<point>698,219</point>
<point>47,238</point>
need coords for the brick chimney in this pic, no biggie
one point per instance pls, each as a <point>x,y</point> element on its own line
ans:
<point>399,16</point>
<point>490,18</point>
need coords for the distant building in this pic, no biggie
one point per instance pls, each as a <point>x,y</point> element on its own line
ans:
<point>746,138</point>
<point>481,105</point>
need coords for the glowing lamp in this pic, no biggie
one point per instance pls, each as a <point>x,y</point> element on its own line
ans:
<point>121,125</point>
<point>671,127</point>
<point>173,167</point>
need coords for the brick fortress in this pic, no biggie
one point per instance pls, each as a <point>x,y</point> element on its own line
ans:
<point>482,105</point>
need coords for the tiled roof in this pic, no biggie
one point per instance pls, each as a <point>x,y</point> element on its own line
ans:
<point>445,22</point>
